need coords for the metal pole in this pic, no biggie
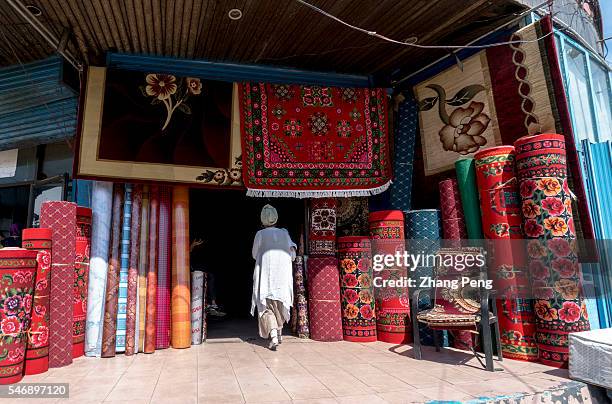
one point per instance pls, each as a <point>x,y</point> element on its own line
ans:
<point>44,32</point>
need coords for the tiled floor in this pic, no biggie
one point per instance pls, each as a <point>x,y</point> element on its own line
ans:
<point>301,371</point>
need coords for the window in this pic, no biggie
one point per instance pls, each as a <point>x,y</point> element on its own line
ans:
<point>578,92</point>
<point>601,101</point>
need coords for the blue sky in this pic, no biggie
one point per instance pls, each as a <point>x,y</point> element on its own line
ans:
<point>606,8</point>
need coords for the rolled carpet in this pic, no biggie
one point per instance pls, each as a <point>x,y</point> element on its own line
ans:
<point>37,352</point>
<point>423,233</point>
<point>302,328</point>
<point>197,294</point>
<point>204,315</point>
<point>392,303</point>
<point>151,304</point>
<point>501,222</point>
<point>132,289</point>
<point>102,204</point>
<point>466,181</point>
<point>17,280</point>
<point>109,331</point>
<point>453,231</point>
<point>126,230</point>
<point>324,299</point>
<point>164,267</point>
<point>451,211</point>
<point>356,289</point>
<point>81,269</point>
<point>180,302</point>
<point>403,162</point>
<point>143,263</point>
<point>546,205</point>
<point>322,234</point>
<point>60,217</point>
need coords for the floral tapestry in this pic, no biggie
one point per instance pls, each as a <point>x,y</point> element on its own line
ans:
<point>157,126</point>
<point>456,114</point>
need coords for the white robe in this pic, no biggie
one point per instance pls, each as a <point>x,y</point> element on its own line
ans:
<point>273,252</point>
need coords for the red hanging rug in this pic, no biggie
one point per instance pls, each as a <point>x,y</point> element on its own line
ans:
<point>501,222</point>
<point>17,280</point>
<point>392,303</point>
<point>313,141</point>
<point>546,204</point>
<point>37,353</point>
<point>356,290</point>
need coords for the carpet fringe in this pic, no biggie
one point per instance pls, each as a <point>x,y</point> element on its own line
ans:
<point>345,193</point>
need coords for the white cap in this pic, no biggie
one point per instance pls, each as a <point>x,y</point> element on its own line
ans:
<point>269,216</point>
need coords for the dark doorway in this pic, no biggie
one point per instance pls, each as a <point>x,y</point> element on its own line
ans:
<point>227,221</point>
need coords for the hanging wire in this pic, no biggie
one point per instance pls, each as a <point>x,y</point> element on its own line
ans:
<point>416,45</point>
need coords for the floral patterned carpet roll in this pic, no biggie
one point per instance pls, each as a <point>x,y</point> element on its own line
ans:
<point>102,206</point>
<point>180,302</point>
<point>392,303</point>
<point>197,303</point>
<point>356,289</point>
<point>60,217</point>
<point>126,234</point>
<point>151,303</point>
<point>132,290</point>
<point>17,280</point>
<point>501,222</point>
<point>109,332</point>
<point>143,263</point>
<point>552,249</point>
<point>324,299</point>
<point>37,353</point>
<point>300,303</point>
<point>81,269</point>
<point>322,235</point>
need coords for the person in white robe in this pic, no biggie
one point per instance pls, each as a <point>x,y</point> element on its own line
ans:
<point>273,252</point>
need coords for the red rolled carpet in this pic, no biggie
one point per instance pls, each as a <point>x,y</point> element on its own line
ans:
<point>60,217</point>
<point>37,353</point>
<point>181,295</point>
<point>164,265</point>
<point>109,330</point>
<point>501,222</point>
<point>322,235</point>
<point>324,299</point>
<point>132,295</point>
<point>453,228</point>
<point>17,280</point>
<point>81,269</point>
<point>356,289</point>
<point>392,303</point>
<point>552,249</point>
<point>151,311</point>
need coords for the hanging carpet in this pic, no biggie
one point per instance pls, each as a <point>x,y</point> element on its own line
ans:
<point>314,142</point>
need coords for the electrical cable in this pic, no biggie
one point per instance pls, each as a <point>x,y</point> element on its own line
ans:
<point>415,45</point>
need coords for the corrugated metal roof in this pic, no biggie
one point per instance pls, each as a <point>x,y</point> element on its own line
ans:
<point>35,106</point>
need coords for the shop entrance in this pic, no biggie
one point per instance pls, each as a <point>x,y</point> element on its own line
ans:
<point>227,222</point>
